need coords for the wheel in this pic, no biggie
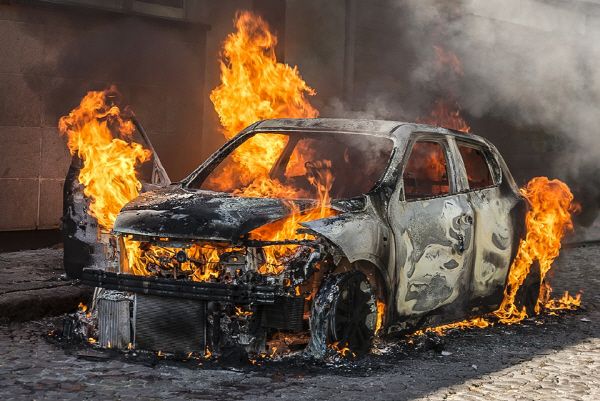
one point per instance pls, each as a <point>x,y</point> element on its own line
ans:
<point>344,314</point>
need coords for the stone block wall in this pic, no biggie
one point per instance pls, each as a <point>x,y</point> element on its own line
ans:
<point>52,57</point>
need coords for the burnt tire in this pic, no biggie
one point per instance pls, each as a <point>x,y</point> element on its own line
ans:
<point>344,314</point>
<point>528,293</point>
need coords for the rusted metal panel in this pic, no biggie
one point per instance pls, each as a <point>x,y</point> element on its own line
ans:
<point>114,320</point>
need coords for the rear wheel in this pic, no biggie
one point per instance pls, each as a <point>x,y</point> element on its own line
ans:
<point>344,315</point>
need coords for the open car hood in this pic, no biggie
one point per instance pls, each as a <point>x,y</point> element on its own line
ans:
<point>176,212</point>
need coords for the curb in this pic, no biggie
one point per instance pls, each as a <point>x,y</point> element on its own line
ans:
<point>22,306</point>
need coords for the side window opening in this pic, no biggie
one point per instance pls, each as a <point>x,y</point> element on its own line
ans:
<point>426,174</point>
<point>476,165</point>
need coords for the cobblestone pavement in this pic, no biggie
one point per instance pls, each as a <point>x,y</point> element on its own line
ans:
<point>550,357</point>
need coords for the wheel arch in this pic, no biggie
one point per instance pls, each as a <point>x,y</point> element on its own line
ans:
<point>377,278</point>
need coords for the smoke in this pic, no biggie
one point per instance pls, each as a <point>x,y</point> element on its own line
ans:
<point>533,63</point>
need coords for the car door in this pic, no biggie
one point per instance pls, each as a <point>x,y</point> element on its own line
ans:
<point>494,229</point>
<point>432,226</point>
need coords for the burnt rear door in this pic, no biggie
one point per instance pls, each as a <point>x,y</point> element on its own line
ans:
<point>494,228</point>
<point>432,226</point>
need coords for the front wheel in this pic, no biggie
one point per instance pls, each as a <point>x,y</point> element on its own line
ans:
<point>344,315</point>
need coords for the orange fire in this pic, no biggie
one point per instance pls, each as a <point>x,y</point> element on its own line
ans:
<point>566,302</point>
<point>254,87</point>
<point>445,114</point>
<point>480,322</point>
<point>448,60</point>
<point>548,219</point>
<point>285,229</point>
<point>344,352</point>
<point>102,137</point>
<point>380,313</point>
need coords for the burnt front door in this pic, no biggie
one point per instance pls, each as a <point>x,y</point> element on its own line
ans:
<point>432,226</point>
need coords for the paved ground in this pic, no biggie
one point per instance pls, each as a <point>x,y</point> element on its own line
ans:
<point>553,357</point>
<point>33,285</point>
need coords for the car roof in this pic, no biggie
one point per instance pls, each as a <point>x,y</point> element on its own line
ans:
<point>373,127</point>
<point>356,126</point>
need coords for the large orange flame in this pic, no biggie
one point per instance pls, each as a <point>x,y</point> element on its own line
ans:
<point>548,219</point>
<point>101,137</point>
<point>254,87</point>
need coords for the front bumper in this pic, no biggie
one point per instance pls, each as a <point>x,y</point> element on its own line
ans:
<point>169,287</point>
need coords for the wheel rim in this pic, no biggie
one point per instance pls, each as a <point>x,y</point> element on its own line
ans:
<point>353,315</point>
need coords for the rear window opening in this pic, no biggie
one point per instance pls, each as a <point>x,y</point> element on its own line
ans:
<point>425,174</point>
<point>478,172</point>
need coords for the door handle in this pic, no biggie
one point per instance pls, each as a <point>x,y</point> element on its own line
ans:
<point>466,219</point>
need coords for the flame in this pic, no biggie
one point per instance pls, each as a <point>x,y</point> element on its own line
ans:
<point>448,60</point>
<point>342,351</point>
<point>566,302</point>
<point>285,229</point>
<point>548,219</point>
<point>254,87</point>
<point>240,312</point>
<point>101,135</point>
<point>208,353</point>
<point>445,114</point>
<point>380,313</point>
<point>202,262</point>
<point>480,322</point>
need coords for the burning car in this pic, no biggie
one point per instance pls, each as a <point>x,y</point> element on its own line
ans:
<point>345,228</point>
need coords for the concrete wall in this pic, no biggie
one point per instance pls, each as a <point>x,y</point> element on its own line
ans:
<point>51,58</point>
<point>314,42</point>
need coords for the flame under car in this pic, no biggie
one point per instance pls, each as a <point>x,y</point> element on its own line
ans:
<point>350,227</point>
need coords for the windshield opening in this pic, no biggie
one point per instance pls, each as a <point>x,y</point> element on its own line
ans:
<point>298,165</point>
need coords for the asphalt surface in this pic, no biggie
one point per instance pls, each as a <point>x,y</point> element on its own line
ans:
<point>548,357</point>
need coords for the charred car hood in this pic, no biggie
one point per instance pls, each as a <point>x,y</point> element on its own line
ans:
<point>176,212</point>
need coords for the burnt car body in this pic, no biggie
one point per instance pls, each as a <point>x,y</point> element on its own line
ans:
<point>422,219</point>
